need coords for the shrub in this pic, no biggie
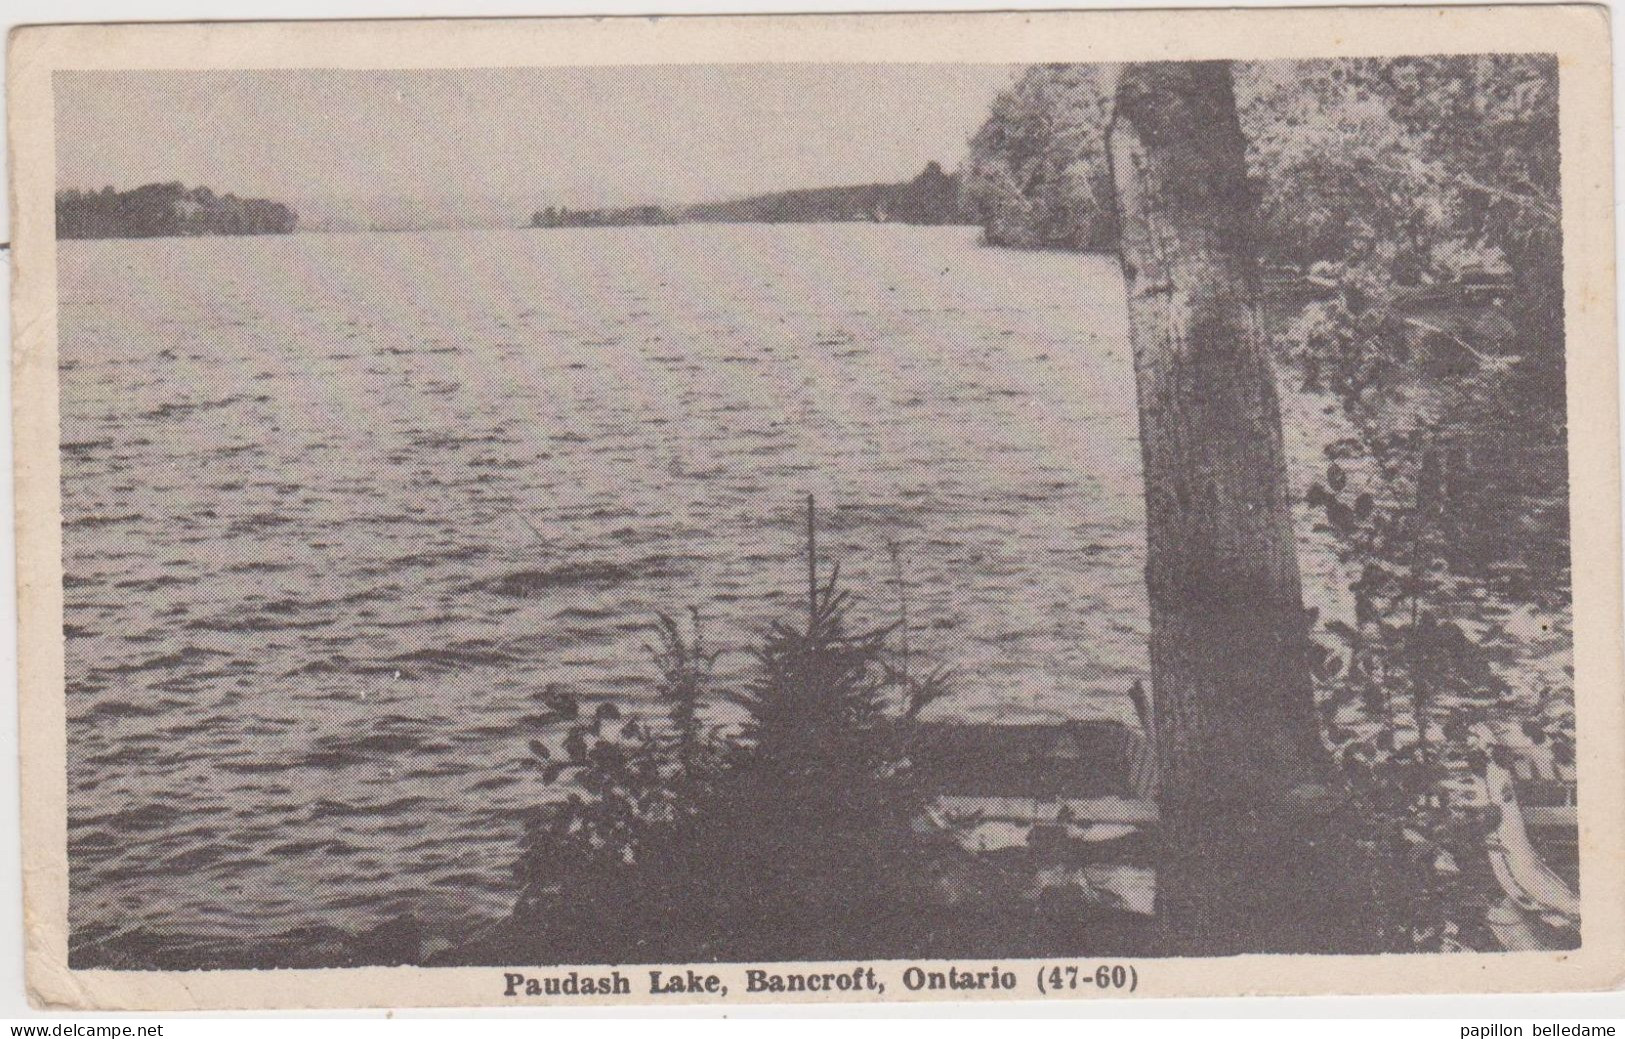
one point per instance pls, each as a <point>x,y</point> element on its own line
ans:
<point>1402,684</point>
<point>782,830</point>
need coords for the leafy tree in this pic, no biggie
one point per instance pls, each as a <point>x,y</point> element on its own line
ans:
<point>1036,173</point>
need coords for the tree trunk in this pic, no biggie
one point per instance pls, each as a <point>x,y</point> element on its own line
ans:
<point>1248,864</point>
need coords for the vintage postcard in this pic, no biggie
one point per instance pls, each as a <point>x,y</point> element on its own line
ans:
<point>878,507</point>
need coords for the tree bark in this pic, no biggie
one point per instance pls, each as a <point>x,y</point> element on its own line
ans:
<point>1248,863</point>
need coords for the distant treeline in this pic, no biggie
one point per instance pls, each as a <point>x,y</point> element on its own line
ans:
<point>629,216</point>
<point>930,198</point>
<point>163,210</point>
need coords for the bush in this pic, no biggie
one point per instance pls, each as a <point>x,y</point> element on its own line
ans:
<point>782,831</point>
<point>775,820</point>
<point>1402,684</point>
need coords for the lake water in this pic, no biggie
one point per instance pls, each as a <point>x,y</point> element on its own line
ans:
<point>337,506</point>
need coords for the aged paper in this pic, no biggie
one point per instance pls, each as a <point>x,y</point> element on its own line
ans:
<point>895,507</point>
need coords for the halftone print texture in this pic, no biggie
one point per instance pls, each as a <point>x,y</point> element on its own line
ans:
<point>683,513</point>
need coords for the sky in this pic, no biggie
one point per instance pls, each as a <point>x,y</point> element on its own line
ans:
<point>463,139</point>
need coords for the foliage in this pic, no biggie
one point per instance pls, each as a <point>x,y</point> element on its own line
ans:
<point>1335,170</point>
<point>782,830</point>
<point>1488,124</point>
<point>1036,174</point>
<point>161,210</point>
<point>1421,164</point>
<point>1387,188</point>
<point>1404,688</point>
<point>1448,398</point>
<point>1398,688</point>
<point>1416,498</point>
<point>1395,183</point>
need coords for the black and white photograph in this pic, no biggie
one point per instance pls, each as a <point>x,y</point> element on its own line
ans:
<point>573,519</point>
